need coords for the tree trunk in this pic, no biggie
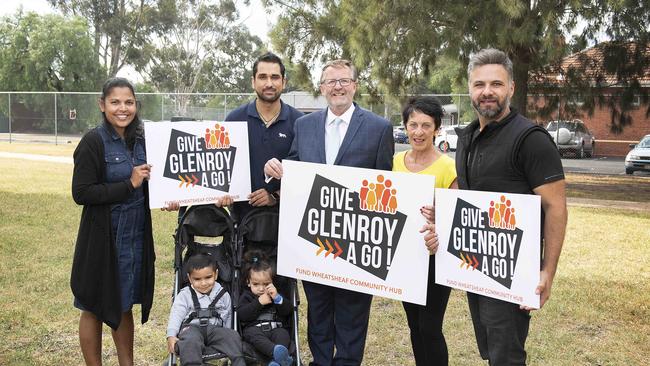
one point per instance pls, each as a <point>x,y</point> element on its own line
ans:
<point>520,73</point>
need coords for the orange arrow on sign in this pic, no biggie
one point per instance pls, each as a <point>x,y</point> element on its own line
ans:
<point>329,248</point>
<point>320,244</point>
<point>338,249</point>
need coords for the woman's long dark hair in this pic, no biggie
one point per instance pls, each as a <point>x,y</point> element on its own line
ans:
<point>135,128</point>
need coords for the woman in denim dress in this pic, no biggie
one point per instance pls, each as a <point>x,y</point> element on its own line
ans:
<point>113,262</point>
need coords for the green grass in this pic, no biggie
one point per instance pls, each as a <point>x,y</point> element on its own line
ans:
<point>598,314</point>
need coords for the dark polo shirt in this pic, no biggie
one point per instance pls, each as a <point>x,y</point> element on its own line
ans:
<point>265,143</point>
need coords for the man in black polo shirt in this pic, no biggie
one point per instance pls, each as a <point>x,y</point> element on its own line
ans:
<point>503,151</point>
<point>270,130</point>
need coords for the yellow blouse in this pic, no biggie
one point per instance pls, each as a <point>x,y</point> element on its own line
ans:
<point>444,169</point>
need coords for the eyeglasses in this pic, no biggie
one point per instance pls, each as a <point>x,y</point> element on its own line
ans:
<point>330,83</point>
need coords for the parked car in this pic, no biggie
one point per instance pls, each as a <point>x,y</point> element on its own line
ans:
<point>399,135</point>
<point>638,159</point>
<point>573,137</point>
<point>446,140</point>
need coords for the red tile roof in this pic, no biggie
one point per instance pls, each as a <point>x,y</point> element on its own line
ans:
<point>591,63</point>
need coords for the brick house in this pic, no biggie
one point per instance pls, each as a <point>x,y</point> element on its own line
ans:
<point>604,90</point>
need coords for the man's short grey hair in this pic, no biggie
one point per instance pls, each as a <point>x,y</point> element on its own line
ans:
<point>337,64</point>
<point>490,56</point>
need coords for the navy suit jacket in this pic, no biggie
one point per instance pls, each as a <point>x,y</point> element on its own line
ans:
<point>368,142</point>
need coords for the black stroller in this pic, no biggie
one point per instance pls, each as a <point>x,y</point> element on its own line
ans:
<point>258,230</point>
<point>205,229</point>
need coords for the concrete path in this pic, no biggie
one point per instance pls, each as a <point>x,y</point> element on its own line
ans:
<point>622,205</point>
<point>53,159</point>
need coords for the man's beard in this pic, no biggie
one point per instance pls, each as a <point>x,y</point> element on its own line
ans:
<point>491,113</point>
<point>263,97</point>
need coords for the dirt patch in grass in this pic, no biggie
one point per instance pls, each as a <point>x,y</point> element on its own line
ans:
<point>609,187</point>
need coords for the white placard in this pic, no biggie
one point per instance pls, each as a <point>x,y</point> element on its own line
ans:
<point>354,228</point>
<point>489,244</point>
<point>197,162</point>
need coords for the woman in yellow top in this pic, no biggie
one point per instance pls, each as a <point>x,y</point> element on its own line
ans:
<point>422,117</point>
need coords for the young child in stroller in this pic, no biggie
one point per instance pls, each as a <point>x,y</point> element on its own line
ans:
<point>264,312</point>
<point>201,316</point>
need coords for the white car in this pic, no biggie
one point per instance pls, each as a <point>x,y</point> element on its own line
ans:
<point>638,159</point>
<point>446,140</point>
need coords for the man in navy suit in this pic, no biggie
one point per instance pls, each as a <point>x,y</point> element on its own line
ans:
<point>342,134</point>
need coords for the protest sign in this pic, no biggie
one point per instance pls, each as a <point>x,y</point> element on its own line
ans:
<point>354,228</point>
<point>489,244</point>
<point>197,162</point>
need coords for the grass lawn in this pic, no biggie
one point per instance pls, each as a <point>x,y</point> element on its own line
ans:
<point>598,314</point>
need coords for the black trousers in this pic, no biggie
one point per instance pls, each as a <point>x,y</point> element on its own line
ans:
<point>336,318</point>
<point>265,340</point>
<point>501,329</point>
<point>425,324</point>
<point>192,341</point>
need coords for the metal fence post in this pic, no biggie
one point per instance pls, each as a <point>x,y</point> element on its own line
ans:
<point>460,102</point>
<point>56,126</point>
<point>9,117</point>
<point>557,129</point>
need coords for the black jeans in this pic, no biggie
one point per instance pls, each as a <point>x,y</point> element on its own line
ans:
<point>501,329</point>
<point>425,323</point>
<point>265,340</point>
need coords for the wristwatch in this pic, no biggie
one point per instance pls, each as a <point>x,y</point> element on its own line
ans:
<point>276,196</point>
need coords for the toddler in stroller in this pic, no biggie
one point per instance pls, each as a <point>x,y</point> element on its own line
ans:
<point>263,312</point>
<point>206,232</point>
<point>257,241</point>
<point>201,315</point>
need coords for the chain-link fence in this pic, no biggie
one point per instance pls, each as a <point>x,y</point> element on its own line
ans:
<point>59,117</point>
<point>65,117</point>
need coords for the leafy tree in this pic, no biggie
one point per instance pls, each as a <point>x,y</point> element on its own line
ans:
<point>204,49</point>
<point>47,53</point>
<point>396,43</point>
<point>122,29</point>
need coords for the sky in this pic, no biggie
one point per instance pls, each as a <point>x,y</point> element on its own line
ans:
<point>253,16</point>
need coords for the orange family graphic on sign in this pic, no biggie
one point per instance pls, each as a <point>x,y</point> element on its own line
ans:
<point>217,138</point>
<point>378,197</point>
<point>502,215</point>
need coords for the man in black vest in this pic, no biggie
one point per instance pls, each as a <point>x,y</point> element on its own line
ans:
<point>503,151</point>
